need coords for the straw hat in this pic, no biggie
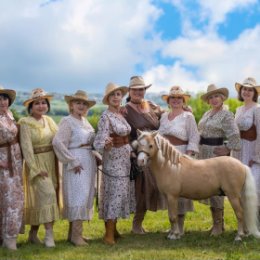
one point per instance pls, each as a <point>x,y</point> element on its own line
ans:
<point>111,87</point>
<point>212,89</point>
<point>249,83</point>
<point>10,93</point>
<point>80,95</point>
<point>37,93</point>
<point>176,91</point>
<point>138,82</point>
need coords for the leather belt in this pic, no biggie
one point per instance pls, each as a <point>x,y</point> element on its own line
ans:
<point>43,149</point>
<point>175,141</point>
<point>119,140</point>
<point>250,134</point>
<point>212,141</point>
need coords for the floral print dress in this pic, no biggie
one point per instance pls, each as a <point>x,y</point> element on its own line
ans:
<point>117,196</point>
<point>11,184</point>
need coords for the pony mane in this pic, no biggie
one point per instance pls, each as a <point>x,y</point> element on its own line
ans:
<point>168,151</point>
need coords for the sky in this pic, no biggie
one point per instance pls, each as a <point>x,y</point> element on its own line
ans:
<point>65,45</point>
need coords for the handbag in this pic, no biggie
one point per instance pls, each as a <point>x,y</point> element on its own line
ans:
<point>135,169</point>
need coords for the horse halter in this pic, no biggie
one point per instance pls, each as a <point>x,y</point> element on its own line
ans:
<point>141,149</point>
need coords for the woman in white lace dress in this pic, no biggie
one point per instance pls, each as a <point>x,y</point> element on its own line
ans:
<point>248,120</point>
<point>112,140</point>
<point>215,126</point>
<point>180,128</point>
<point>73,147</point>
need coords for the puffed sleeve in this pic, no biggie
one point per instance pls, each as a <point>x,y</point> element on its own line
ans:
<point>256,155</point>
<point>193,134</point>
<point>231,131</point>
<point>27,149</point>
<point>102,134</point>
<point>61,143</point>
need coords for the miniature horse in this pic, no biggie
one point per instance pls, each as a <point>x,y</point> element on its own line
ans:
<point>178,175</point>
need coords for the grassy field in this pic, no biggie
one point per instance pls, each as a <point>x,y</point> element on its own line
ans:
<point>196,244</point>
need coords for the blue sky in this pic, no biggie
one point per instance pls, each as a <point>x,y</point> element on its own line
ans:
<point>65,45</point>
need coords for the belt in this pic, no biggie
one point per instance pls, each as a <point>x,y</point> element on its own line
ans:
<point>175,141</point>
<point>86,146</point>
<point>8,146</point>
<point>212,141</point>
<point>119,140</point>
<point>250,134</point>
<point>43,149</point>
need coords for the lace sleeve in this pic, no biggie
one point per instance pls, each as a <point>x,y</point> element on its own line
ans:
<point>256,156</point>
<point>193,134</point>
<point>61,142</point>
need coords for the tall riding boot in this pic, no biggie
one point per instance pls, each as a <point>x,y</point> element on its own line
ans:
<point>69,232</point>
<point>76,235</point>
<point>48,239</point>
<point>109,237</point>
<point>10,243</point>
<point>181,219</point>
<point>218,222</point>
<point>137,223</point>
<point>33,238</point>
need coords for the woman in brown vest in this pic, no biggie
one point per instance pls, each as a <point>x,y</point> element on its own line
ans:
<point>143,115</point>
<point>248,120</point>
<point>11,186</point>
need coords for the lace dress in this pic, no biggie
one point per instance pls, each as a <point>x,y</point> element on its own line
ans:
<point>41,194</point>
<point>117,196</point>
<point>73,147</point>
<point>183,127</point>
<point>250,150</point>
<point>11,184</point>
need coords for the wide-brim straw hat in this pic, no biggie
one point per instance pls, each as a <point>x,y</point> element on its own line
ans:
<point>212,89</point>
<point>80,95</point>
<point>176,91</point>
<point>37,93</point>
<point>10,93</point>
<point>138,82</point>
<point>249,83</point>
<point>112,87</point>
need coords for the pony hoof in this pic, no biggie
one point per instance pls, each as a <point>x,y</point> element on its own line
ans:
<point>173,237</point>
<point>238,239</point>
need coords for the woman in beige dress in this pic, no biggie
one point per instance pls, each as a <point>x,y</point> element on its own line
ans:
<point>73,146</point>
<point>143,115</point>
<point>216,126</point>
<point>11,184</point>
<point>40,167</point>
<point>180,128</point>
<point>117,198</point>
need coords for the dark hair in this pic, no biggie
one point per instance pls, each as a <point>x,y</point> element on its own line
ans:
<point>5,96</point>
<point>128,99</point>
<point>31,104</point>
<point>255,97</point>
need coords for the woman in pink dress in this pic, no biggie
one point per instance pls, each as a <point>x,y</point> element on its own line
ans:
<point>11,185</point>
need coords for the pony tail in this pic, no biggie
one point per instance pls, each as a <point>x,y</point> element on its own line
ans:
<point>250,203</point>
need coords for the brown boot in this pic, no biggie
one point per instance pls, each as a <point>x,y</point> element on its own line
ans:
<point>218,222</point>
<point>10,243</point>
<point>181,219</point>
<point>117,234</point>
<point>33,238</point>
<point>76,233</point>
<point>137,224</point>
<point>69,232</point>
<point>109,237</point>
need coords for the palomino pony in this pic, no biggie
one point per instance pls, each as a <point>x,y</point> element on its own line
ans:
<point>178,175</point>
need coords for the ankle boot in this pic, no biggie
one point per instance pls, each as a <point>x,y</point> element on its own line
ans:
<point>33,238</point>
<point>10,243</point>
<point>181,219</point>
<point>218,222</point>
<point>109,237</point>
<point>48,240</point>
<point>137,223</point>
<point>76,234</point>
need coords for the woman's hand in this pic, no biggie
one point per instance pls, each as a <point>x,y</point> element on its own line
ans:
<point>43,174</point>
<point>109,143</point>
<point>77,169</point>
<point>251,162</point>
<point>221,151</point>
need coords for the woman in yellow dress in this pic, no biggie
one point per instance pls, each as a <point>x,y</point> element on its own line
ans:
<point>40,170</point>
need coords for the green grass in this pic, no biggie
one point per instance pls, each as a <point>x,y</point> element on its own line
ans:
<point>196,243</point>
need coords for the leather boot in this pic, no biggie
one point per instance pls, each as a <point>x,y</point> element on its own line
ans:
<point>33,238</point>
<point>137,223</point>
<point>76,233</point>
<point>48,240</point>
<point>218,222</point>
<point>181,219</point>
<point>117,234</point>
<point>69,232</point>
<point>109,237</point>
<point>10,243</point>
